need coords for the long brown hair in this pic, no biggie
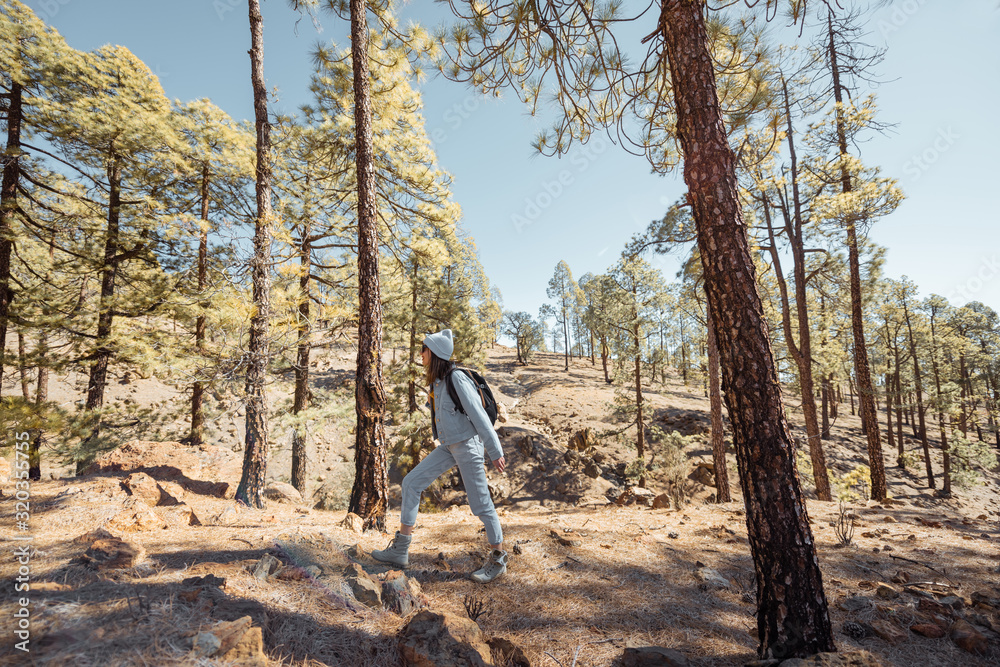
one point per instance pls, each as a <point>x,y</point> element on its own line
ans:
<point>438,369</point>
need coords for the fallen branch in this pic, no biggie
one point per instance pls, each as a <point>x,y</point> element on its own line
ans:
<point>868,569</point>
<point>915,562</point>
<point>932,583</point>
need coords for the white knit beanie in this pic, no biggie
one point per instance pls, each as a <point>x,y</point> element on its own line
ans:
<point>440,344</point>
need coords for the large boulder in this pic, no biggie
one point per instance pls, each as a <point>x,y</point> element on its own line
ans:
<point>196,469</point>
<point>442,639</point>
<point>135,516</point>
<point>282,493</point>
<point>636,495</point>
<point>508,653</point>
<point>112,554</point>
<point>147,489</point>
<point>582,440</point>
<point>235,642</point>
<point>651,656</point>
<point>366,590</point>
<point>400,594</point>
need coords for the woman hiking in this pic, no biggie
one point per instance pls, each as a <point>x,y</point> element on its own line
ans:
<point>461,431</point>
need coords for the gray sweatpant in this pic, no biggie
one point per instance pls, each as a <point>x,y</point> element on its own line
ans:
<point>469,457</point>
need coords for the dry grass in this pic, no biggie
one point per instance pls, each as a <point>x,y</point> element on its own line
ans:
<point>631,581</point>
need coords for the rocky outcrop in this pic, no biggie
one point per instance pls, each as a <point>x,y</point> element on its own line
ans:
<point>442,639</point>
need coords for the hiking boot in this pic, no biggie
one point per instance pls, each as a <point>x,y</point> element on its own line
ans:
<point>397,553</point>
<point>496,564</point>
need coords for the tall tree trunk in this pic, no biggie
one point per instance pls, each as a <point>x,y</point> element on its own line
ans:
<point>792,616</point>
<point>255,453</point>
<point>838,397</point>
<point>945,454</point>
<point>22,367</point>
<point>41,395</point>
<point>722,492</point>
<point>98,379</point>
<point>796,238</point>
<point>850,394</point>
<point>604,360</point>
<point>825,393</point>
<point>301,399</point>
<point>963,422</point>
<point>369,496</point>
<point>8,206</point>
<point>800,352</point>
<point>42,388</point>
<point>888,416</point>
<point>198,390</point>
<point>565,320</point>
<point>411,384</point>
<point>899,403</point>
<point>640,436</point>
<point>866,393</point>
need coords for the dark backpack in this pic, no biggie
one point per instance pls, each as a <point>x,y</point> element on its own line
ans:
<point>489,403</point>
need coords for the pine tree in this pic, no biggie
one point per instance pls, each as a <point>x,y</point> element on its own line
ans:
<point>776,195</point>
<point>219,156</point>
<point>573,43</point>
<point>127,152</point>
<point>255,454</point>
<point>564,290</point>
<point>28,49</point>
<point>639,287</point>
<point>527,334</point>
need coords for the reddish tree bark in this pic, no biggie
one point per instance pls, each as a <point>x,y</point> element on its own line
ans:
<point>862,369</point>
<point>98,378</point>
<point>301,398</point>
<point>792,617</point>
<point>369,497</point>
<point>198,390</point>
<point>722,492</point>
<point>255,453</point>
<point>8,205</point>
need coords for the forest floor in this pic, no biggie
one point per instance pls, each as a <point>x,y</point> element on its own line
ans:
<point>587,577</point>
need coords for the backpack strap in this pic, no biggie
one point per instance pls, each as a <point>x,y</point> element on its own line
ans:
<point>453,393</point>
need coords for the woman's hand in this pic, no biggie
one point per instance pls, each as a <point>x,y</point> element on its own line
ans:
<point>500,464</point>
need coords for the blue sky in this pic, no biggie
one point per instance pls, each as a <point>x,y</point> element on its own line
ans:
<point>527,212</point>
